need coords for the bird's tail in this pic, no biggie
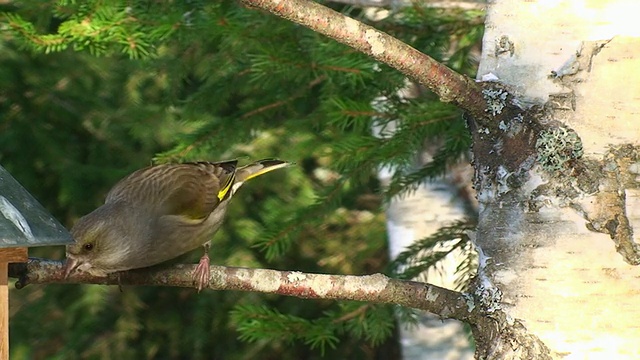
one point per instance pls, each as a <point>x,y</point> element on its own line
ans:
<point>257,168</point>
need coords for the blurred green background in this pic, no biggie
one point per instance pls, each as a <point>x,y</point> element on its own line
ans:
<point>92,90</point>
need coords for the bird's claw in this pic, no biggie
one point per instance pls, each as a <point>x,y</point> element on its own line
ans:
<point>201,273</point>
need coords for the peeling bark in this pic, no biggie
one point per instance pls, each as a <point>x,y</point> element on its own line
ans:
<point>546,226</point>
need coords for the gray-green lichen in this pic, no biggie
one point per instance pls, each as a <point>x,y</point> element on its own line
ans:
<point>468,299</point>
<point>556,147</point>
<point>496,100</point>
<point>489,297</point>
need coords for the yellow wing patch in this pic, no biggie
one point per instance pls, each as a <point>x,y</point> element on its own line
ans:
<point>227,186</point>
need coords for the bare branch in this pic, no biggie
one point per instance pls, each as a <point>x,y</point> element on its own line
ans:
<point>494,333</point>
<point>376,288</point>
<point>444,82</point>
<point>443,4</point>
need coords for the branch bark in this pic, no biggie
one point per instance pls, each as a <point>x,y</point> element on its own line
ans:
<point>441,4</point>
<point>376,288</point>
<point>448,85</point>
<point>491,331</point>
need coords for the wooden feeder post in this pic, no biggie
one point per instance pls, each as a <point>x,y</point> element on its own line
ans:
<point>7,255</point>
<point>24,223</point>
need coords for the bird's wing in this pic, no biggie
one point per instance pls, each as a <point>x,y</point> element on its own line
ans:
<point>192,190</point>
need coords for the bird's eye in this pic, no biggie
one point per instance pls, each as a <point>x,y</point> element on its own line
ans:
<point>88,246</point>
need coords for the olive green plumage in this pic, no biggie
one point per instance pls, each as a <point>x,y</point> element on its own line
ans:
<point>158,213</point>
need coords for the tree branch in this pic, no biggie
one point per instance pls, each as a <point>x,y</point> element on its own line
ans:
<point>441,4</point>
<point>444,82</point>
<point>376,288</point>
<point>494,334</point>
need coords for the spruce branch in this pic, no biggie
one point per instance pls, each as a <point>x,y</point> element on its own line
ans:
<point>448,85</point>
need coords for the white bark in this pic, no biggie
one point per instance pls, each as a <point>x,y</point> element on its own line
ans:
<point>412,217</point>
<point>409,219</point>
<point>567,283</point>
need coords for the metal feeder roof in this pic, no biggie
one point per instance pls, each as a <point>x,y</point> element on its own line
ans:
<point>23,221</point>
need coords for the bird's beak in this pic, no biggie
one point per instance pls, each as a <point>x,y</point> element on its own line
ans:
<point>70,265</point>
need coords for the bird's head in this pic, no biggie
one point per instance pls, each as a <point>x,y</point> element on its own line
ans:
<point>98,243</point>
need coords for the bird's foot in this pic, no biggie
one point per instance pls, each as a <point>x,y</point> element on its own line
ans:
<point>201,273</point>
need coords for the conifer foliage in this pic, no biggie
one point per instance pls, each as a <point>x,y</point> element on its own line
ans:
<point>92,90</point>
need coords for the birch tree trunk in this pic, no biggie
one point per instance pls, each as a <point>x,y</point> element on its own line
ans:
<point>414,216</point>
<point>557,237</point>
<point>411,218</point>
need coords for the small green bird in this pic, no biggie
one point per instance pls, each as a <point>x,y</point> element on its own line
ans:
<point>158,213</point>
